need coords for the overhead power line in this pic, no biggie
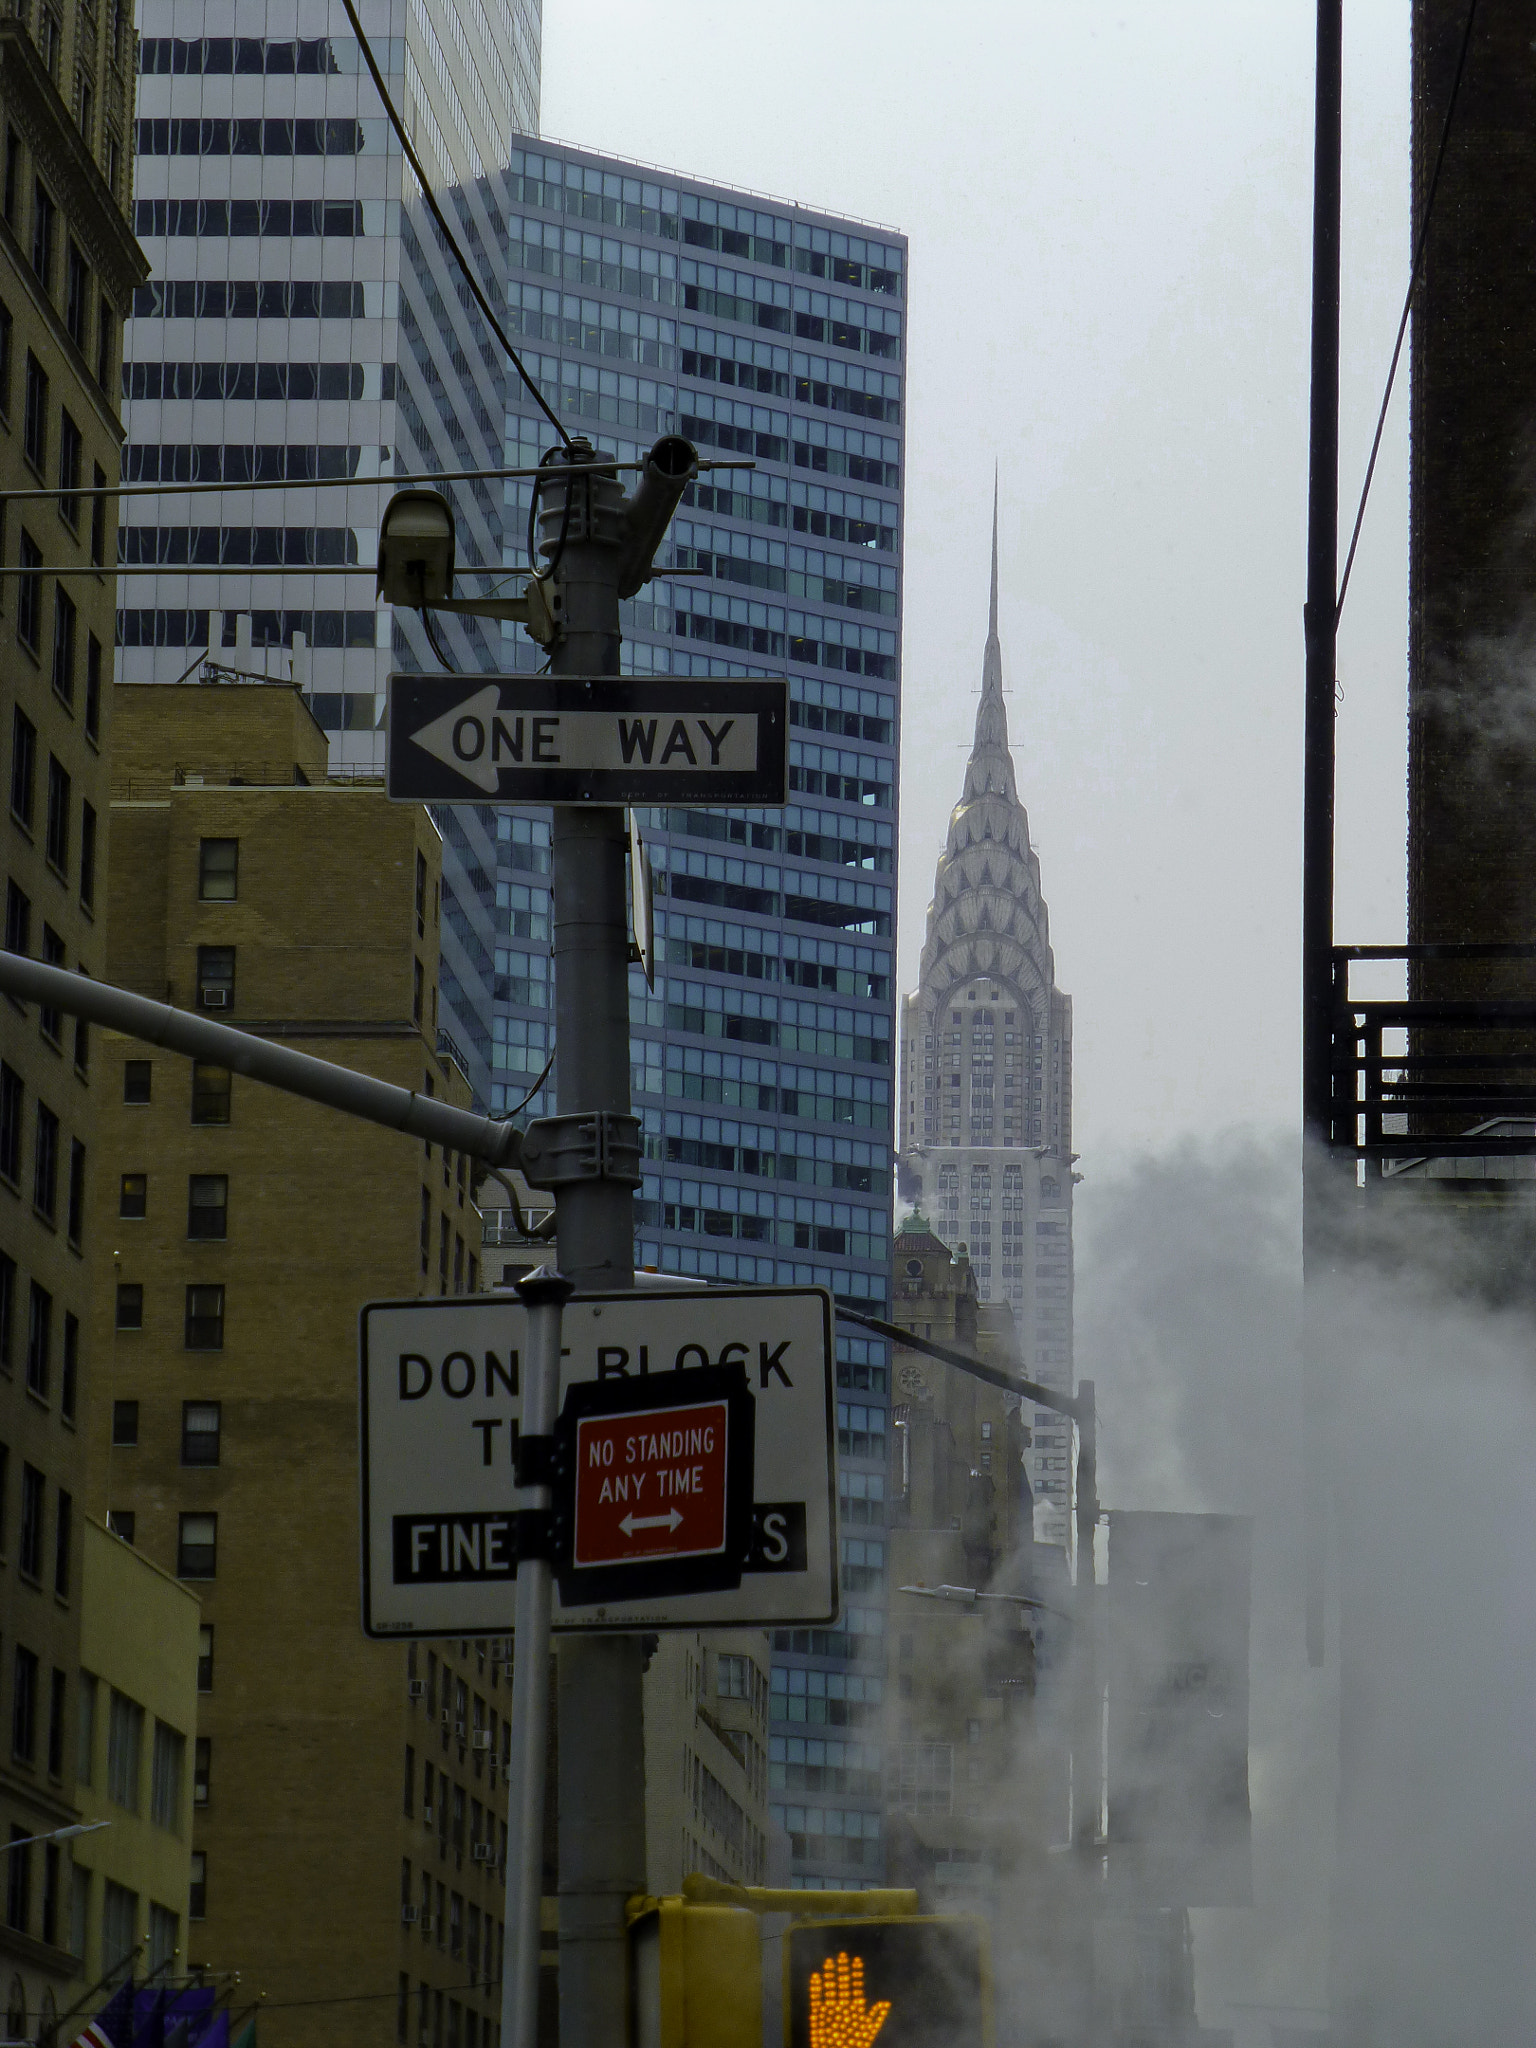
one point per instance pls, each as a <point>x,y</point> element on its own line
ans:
<point>449,238</point>
<point>1402,325</point>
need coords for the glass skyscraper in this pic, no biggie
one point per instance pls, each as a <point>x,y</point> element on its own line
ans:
<point>651,303</point>
<point>304,325</point>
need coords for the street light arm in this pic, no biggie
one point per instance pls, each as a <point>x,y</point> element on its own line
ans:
<point>278,1066</point>
<point>994,1375</point>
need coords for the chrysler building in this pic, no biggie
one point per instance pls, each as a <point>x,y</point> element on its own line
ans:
<point>986,1105</point>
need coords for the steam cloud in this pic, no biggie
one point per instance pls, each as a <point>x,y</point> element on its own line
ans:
<point>1399,1895</point>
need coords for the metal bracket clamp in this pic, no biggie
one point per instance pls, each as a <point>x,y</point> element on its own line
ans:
<point>603,1144</point>
<point>536,1461</point>
<point>538,1533</point>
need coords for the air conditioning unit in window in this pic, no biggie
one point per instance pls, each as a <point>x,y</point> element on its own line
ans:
<point>213,998</point>
<point>482,1738</point>
<point>484,1852</point>
<point>447,1717</point>
<point>458,1729</point>
<point>416,1689</point>
<point>426,1816</point>
<point>409,1915</point>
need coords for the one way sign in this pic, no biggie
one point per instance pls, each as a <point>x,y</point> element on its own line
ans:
<point>599,739</point>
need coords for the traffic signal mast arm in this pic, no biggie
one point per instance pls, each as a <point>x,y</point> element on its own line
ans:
<point>1070,1405</point>
<point>279,1066</point>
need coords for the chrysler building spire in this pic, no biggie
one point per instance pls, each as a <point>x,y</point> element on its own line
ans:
<point>986,1093</point>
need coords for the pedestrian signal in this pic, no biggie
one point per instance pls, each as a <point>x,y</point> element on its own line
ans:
<point>896,1983</point>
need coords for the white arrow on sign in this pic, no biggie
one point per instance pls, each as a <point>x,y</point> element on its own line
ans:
<point>668,1521</point>
<point>468,722</point>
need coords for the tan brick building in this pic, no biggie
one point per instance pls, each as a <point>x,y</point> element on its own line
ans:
<point>68,264</point>
<point>961,1672</point>
<point>348,1857</point>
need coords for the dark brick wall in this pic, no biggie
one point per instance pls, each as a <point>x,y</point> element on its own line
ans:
<point>1472,632</point>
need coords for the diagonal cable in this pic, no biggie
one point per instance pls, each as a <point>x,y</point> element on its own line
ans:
<point>1402,325</point>
<point>449,238</point>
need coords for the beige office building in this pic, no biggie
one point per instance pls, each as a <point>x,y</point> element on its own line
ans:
<point>350,1795</point>
<point>68,264</point>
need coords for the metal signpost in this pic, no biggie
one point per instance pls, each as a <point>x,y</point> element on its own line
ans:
<point>692,1462</point>
<point>587,739</point>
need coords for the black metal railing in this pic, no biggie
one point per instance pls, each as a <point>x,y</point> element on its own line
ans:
<point>1438,1073</point>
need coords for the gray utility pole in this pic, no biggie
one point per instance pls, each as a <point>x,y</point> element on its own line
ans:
<point>599,547</point>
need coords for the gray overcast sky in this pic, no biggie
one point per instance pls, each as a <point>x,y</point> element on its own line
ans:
<point>1109,211</point>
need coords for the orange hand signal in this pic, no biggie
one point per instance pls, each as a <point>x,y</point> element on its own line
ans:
<point>839,2016</point>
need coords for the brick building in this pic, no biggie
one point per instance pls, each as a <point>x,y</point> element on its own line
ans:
<point>350,1837</point>
<point>68,266</point>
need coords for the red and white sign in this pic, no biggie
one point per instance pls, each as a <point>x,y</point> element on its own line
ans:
<point>651,1483</point>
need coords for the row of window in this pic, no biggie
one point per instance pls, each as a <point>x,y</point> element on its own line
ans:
<point>285,219</point>
<point>197,1556</point>
<point>246,298</point>
<point>252,380</point>
<point>238,547</point>
<point>201,1430</point>
<point>33,1558</point>
<point>262,138</point>
<point>804,508</point>
<point>161,627</point>
<point>80,295</point>
<point>50,1164</point>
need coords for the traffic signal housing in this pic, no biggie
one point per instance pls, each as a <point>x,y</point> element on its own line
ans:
<point>907,1981</point>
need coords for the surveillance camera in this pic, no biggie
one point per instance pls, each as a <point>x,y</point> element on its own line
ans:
<point>416,551</point>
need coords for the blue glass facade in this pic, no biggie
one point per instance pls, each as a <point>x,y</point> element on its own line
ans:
<point>762,1059</point>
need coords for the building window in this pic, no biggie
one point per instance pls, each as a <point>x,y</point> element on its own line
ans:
<point>50,1018</point>
<point>125,1425</point>
<point>168,1761</point>
<point>45,223</point>
<point>733,1678</point>
<point>64,622</point>
<point>92,644</point>
<point>197,1547</point>
<point>7,359</point>
<point>12,174</point>
<point>79,1908</point>
<point>215,977</point>
<point>205,1659</point>
<point>77,272</point>
<point>34,416</point>
<point>202,1769</point>
<point>133,1194</point>
<point>39,1339</point>
<point>106,344</point>
<point>63,1545</point>
<point>136,1080</point>
<point>29,1551</point>
<point>45,1162</point>
<point>197,1896</point>
<point>130,1304</point>
<point>87,862</point>
<point>200,1432</point>
<point>10,1122</point>
<point>164,1937</point>
<point>57,1697</point>
<point>210,1094</point>
<point>50,40</point>
<point>29,599</point>
<point>121,1522</point>
<point>24,1706</point>
<point>207,1205</point>
<point>18,1910</point>
<point>69,495</point>
<point>85,1729</point>
<point>23,770</point>
<point>51,1866</point>
<point>74,1224</point>
<point>205,1318</point>
<point>218,866</point>
<point>7,1313</point>
<point>125,1744</point>
<point>69,1376</point>
<point>119,1926</point>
